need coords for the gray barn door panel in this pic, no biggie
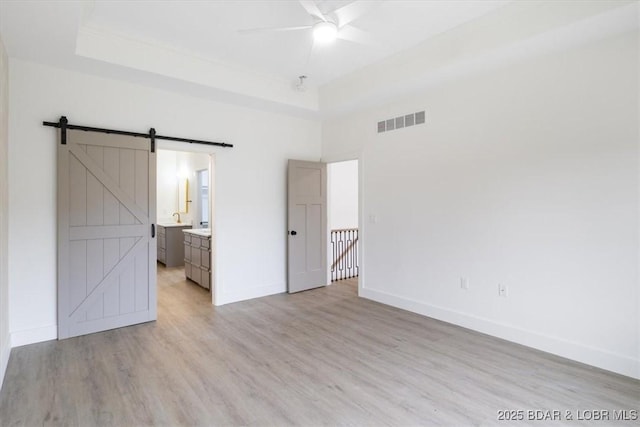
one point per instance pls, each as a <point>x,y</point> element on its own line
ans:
<point>106,255</point>
<point>307,222</point>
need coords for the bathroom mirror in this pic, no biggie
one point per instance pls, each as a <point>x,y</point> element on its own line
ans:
<point>183,195</point>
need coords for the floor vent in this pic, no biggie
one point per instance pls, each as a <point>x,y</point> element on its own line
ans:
<point>401,122</point>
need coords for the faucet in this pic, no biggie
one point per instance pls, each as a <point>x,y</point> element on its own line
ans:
<point>177,213</point>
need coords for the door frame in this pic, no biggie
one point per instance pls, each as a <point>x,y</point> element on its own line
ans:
<point>361,220</point>
<point>215,285</point>
<point>329,249</point>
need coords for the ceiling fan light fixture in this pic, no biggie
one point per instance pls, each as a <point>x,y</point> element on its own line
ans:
<point>325,32</point>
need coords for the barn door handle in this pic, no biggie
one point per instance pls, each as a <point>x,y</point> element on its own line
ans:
<point>294,232</point>
<point>153,231</point>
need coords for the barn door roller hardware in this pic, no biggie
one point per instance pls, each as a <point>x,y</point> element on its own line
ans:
<point>63,125</point>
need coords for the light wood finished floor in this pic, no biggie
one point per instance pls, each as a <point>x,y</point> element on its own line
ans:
<point>321,357</point>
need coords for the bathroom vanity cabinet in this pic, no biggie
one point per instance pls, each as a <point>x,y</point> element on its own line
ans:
<point>197,256</point>
<point>170,247</point>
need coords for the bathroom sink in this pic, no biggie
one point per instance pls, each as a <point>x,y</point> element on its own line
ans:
<point>199,231</point>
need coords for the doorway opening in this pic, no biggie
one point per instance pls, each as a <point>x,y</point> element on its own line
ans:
<point>342,221</point>
<point>184,210</point>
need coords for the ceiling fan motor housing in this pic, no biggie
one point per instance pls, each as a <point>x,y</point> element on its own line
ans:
<point>325,32</point>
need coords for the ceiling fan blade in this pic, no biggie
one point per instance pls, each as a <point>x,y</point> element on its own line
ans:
<point>353,11</point>
<point>312,9</point>
<point>355,35</point>
<point>273,29</point>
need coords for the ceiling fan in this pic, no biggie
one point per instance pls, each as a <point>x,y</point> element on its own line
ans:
<point>332,25</point>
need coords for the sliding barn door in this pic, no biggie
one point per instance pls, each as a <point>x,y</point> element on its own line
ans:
<point>106,252</point>
<point>307,222</point>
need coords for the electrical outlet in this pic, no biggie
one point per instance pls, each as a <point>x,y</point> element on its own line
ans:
<point>503,291</point>
<point>464,283</point>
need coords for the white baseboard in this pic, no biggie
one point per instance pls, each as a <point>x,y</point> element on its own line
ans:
<point>4,360</point>
<point>35,335</point>
<point>261,291</point>
<point>591,356</point>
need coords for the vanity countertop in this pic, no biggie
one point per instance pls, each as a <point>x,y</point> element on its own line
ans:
<point>173,224</point>
<point>206,232</point>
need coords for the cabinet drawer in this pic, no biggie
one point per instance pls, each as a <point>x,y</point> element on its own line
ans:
<point>196,259</point>
<point>161,230</point>
<point>187,253</point>
<point>187,270</point>
<point>162,242</point>
<point>205,258</point>
<point>187,238</point>
<point>206,279</point>
<point>161,255</point>
<point>205,243</point>
<point>196,274</point>
<point>195,242</point>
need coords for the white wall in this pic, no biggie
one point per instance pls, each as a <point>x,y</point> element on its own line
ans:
<point>5,344</point>
<point>343,194</point>
<point>525,176</point>
<point>167,185</point>
<point>250,180</point>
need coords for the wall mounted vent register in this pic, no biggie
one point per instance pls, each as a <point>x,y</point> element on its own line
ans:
<point>401,122</point>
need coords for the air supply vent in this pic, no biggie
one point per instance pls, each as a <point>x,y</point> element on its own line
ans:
<point>401,122</point>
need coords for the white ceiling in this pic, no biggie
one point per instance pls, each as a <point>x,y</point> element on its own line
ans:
<point>195,47</point>
<point>210,29</point>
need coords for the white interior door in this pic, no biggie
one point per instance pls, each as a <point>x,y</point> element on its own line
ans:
<point>106,252</point>
<point>307,223</point>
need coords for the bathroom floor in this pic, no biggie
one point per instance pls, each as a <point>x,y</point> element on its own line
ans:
<point>174,286</point>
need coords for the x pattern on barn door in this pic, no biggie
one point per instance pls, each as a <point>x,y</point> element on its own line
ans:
<point>106,190</point>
